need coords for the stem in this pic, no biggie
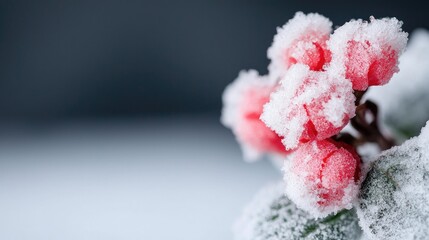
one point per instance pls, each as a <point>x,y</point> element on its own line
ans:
<point>369,130</point>
<point>359,95</point>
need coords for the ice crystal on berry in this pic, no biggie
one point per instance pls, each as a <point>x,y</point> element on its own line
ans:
<point>243,103</point>
<point>322,177</point>
<point>309,105</point>
<point>301,40</point>
<point>367,53</point>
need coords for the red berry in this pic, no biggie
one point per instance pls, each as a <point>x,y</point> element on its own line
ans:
<point>243,104</point>
<point>367,53</point>
<point>309,106</point>
<point>326,172</point>
<point>302,40</point>
<point>250,129</point>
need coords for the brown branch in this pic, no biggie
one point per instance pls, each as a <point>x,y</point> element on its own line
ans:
<point>358,95</point>
<point>370,131</point>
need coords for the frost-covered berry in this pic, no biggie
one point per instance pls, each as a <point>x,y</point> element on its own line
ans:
<point>301,40</point>
<point>408,89</point>
<point>272,216</point>
<point>243,101</point>
<point>322,177</point>
<point>309,105</point>
<point>394,197</point>
<point>367,53</point>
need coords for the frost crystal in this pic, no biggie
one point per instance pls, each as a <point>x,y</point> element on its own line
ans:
<point>301,40</point>
<point>395,195</point>
<point>243,102</point>
<point>272,216</point>
<point>309,105</point>
<point>367,52</point>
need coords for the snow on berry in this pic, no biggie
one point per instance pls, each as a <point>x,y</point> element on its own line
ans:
<point>408,90</point>
<point>394,197</point>
<point>301,40</point>
<point>243,102</point>
<point>367,53</point>
<point>272,216</point>
<point>322,177</point>
<point>309,105</point>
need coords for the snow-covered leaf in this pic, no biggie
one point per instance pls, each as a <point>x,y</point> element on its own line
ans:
<point>272,216</point>
<point>394,198</point>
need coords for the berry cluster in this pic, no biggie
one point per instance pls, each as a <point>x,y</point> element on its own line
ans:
<point>315,82</point>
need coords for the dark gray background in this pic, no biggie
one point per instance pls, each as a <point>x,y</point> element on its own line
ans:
<point>106,59</point>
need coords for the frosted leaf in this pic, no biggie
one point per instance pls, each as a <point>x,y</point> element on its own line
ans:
<point>243,102</point>
<point>272,216</point>
<point>309,105</point>
<point>394,198</point>
<point>301,40</point>
<point>367,53</point>
<point>364,237</point>
<point>404,102</point>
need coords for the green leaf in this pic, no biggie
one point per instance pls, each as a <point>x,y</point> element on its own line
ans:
<point>272,216</point>
<point>394,198</point>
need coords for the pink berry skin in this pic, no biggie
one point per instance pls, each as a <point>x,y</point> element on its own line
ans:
<point>326,169</point>
<point>243,102</point>
<point>250,129</point>
<point>367,69</point>
<point>322,127</point>
<point>367,53</point>
<point>311,51</point>
<point>309,105</point>
<point>302,40</point>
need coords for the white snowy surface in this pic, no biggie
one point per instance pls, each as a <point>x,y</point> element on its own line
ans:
<point>171,178</point>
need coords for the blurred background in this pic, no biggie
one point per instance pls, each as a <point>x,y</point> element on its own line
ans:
<point>109,112</point>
